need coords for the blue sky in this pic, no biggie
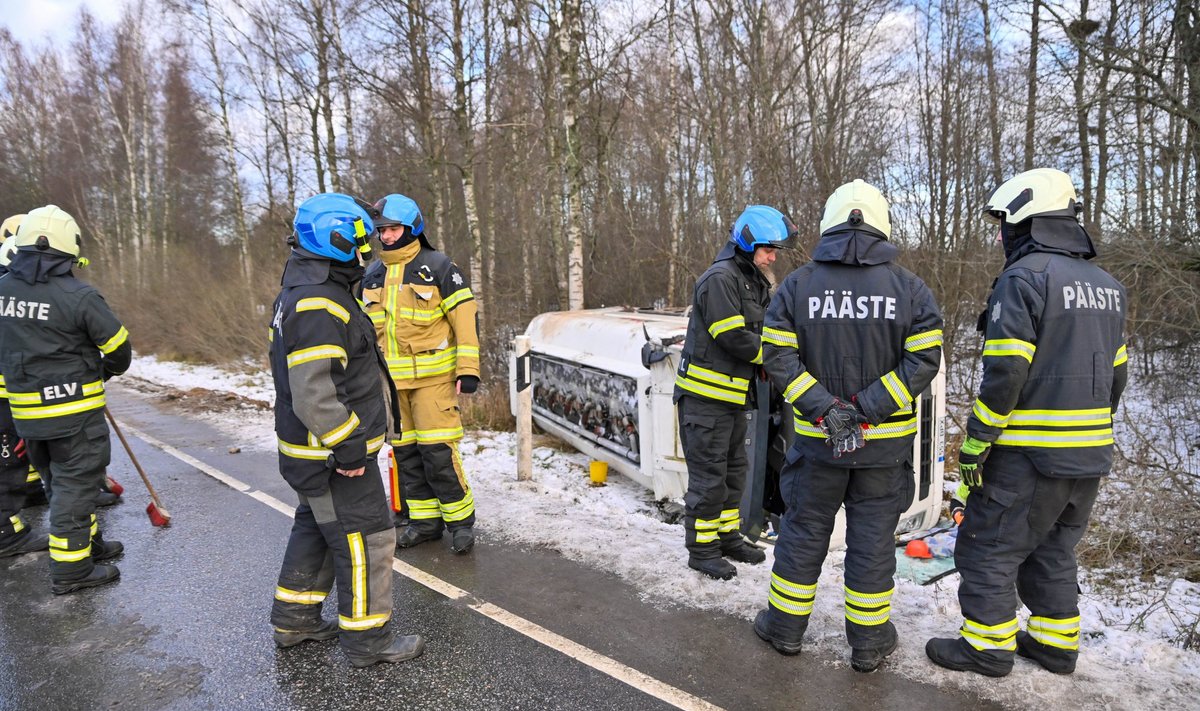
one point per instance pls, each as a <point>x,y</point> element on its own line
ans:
<point>32,21</point>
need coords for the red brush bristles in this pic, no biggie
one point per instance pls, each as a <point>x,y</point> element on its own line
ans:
<point>158,516</point>
<point>113,486</point>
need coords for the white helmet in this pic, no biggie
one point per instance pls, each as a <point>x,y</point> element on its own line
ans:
<point>857,203</point>
<point>9,228</point>
<point>49,227</point>
<point>1040,191</point>
<point>7,250</point>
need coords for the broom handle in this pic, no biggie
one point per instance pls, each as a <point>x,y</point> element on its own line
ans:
<point>129,451</point>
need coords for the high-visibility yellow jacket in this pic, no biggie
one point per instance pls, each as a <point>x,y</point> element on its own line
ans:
<point>424,315</point>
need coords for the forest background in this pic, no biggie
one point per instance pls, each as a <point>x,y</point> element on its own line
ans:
<point>580,153</point>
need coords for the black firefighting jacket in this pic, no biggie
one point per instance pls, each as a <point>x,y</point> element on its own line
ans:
<point>61,342</point>
<point>851,325</point>
<point>723,347</point>
<point>1054,362</point>
<point>330,410</point>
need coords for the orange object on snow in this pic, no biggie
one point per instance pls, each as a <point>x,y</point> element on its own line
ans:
<point>917,549</point>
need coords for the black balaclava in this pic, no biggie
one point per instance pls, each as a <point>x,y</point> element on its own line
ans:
<point>858,246</point>
<point>32,266</point>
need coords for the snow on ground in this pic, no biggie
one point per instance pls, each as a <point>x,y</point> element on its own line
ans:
<point>1127,659</point>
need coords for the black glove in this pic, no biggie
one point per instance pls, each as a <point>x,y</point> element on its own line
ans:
<point>970,461</point>
<point>842,424</point>
<point>468,383</point>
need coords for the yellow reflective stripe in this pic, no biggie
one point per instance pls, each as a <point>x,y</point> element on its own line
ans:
<point>726,324</point>
<point>363,623</point>
<point>302,451</point>
<point>391,295</point>
<point>468,351</point>
<point>891,430</point>
<point>1001,630</point>
<point>311,597</point>
<point>443,435</point>
<point>805,428</point>
<point>706,530</point>
<point>455,299</point>
<point>923,340</point>
<point>70,408</point>
<point>32,476</point>
<point>1063,633</point>
<point>1061,418</point>
<point>423,508</point>
<point>459,510</point>
<point>421,315</point>
<point>377,316</point>
<point>35,398</point>
<point>898,390</point>
<point>1122,356</point>
<point>780,337</point>
<point>986,643</point>
<point>437,363</point>
<point>1055,439</point>
<point>793,589</point>
<point>336,435</point>
<point>60,550</point>
<point>115,342</point>
<point>95,526</point>
<point>406,437</point>
<point>710,392</point>
<point>987,637</point>
<point>730,521</point>
<point>791,607</point>
<point>1009,347</point>
<point>17,524</point>
<point>358,575</point>
<point>306,355</point>
<point>757,359</point>
<point>988,416</point>
<point>868,599</point>
<point>799,386</point>
<point>721,379</point>
<point>868,618</point>
<point>320,303</point>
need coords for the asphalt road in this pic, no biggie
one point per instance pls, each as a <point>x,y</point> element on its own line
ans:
<point>506,627</point>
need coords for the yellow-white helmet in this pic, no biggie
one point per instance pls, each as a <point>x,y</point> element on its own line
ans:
<point>1040,191</point>
<point>857,203</point>
<point>7,250</point>
<point>49,227</point>
<point>9,228</point>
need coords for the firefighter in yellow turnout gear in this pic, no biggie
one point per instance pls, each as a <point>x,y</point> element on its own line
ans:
<point>425,319</point>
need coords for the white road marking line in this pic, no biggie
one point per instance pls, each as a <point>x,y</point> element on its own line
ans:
<point>584,655</point>
<point>188,459</point>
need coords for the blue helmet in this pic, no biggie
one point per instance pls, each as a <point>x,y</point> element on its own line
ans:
<point>334,226</point>
<point>397,209</point>
<point>761,226</point>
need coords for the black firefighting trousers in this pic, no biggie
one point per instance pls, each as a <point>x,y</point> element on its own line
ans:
<point>1018,537</point>
<point>345,535</point>
<point>713,436</point>
<point>72,471</point>
<point>874,499</point>
<point>13,472</point>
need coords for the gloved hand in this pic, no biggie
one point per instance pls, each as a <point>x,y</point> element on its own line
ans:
<point>468,384</point>
<point>970,461</point>
<point>842,424</point>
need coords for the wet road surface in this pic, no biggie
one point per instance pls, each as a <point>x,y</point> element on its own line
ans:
<point>186,627</point>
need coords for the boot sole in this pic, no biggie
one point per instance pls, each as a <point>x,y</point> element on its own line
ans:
<point>283,640</point>
<point>63,589</point>
<point>729,576</point>
<point>360,663</point>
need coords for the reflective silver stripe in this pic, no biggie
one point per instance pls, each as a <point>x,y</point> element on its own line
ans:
<point>1009,347</point>
<point>779,337</point>
<point>988,416</point>
<point>799,386</point>
<point>1055,439</point>
<point>726,324</point>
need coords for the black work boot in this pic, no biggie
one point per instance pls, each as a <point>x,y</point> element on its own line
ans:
<point>787,642</point>
<point>23,543</point>
<point>462,540</point>
<point>325,629</point>
<point>1056,661</point>
<point>414,536</point>
<point>35,495</point>
<point>957,655</point>
<point>103,550</point>
<point>718,568</point>
<point>742,552</point>
<point>868,659</point>
<point>403,648</point>
<point>106,498</point>
<point>100,575</point>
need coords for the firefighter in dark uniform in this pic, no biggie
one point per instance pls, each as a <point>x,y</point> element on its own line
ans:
<point>425,320</point>
<point>15,536</point>
<point>722,355</point>
<point>331,420</point>
<point>61,342</point>
<point>851,340</point>
<point>1054,367</point>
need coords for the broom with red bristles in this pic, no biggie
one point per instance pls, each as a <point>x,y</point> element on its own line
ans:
<point>158,514</point>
